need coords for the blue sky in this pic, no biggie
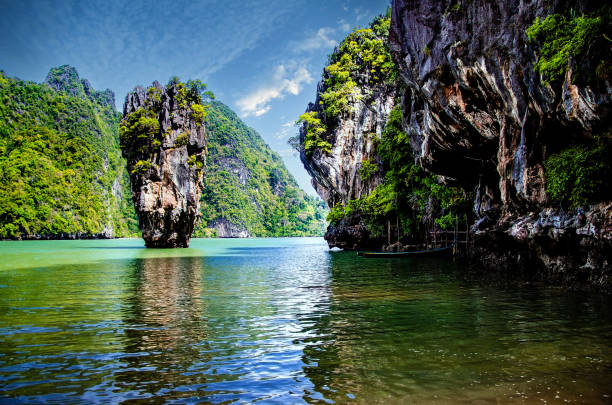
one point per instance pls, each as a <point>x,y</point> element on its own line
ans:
<point>262,58</point>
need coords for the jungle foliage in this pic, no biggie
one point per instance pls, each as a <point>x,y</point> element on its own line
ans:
<point>409,195</point>
<point>247,184</point>
<point>361,59</point>
<point>580,174</point>
<point>61,170</point>
<point>565,36</point>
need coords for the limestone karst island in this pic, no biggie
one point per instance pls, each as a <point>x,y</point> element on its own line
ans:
<point>341,202</point>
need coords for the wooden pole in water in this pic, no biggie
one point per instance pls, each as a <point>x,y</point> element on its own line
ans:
<point>435,241</point>
<point>445,237</point>
<point>389,232</point>
<point>467,233</point>
<point>397,225</point>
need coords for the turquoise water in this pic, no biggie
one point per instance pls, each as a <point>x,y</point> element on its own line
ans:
<point>287,321</point>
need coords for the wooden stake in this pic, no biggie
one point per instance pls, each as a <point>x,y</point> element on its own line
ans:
<point>397,225</point>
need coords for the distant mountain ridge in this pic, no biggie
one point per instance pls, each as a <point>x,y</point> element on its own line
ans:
<point>62,174</point>
<point>248,191</point>
<point>65,78</point>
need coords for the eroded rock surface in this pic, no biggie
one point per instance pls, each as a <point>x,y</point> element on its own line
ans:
<point>164,142</point>
<point>335,175</point>
<point>351,234</point>
<point>477,112</point>
<point>352,134</point>
<point>571,247</point>
<point>226,229</point>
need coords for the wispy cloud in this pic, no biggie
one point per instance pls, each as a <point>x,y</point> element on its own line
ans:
<point>285,130</point>
<point>361,14</point>
<point>287,79</point>
<point>287,152</point>
<point>344,26</point>
<point>322,39</point>
<point>122,44</point>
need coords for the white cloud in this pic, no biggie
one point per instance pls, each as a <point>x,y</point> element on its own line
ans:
<point>285,130</point>
<point>322,39</point>
<point>287,79</point>
<point>262,111</point>
<point>361,14</point>
<point>344,26</point>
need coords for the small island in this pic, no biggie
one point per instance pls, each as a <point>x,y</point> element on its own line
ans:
<point>164,142</point>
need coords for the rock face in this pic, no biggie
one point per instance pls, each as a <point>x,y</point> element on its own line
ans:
<point>164,142</point>
<point>565,247</point>
<point>226,229</point>
<point>336,174</point>
<point>351,234</point>
<point>477,112</point>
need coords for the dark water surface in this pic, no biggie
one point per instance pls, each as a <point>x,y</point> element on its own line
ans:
<point>287,321</point>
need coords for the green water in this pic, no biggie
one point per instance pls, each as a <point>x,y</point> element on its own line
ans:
<point>286,321</point>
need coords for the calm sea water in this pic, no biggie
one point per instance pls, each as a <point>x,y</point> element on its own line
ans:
<point>287,321</point>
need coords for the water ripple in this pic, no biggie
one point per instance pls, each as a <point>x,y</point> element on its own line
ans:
<point>286,321</point>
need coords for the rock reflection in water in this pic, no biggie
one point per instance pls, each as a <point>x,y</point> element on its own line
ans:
<point>168,332</point>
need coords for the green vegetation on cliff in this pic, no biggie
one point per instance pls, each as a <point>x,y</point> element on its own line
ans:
<point>141,133</point>
<point>361,60</point>
<point>61,171</point>
<point>314,132</point>
<point>580,174</point>
<point>359,70</point>
<point>562,37</point>
<point>408,195</point>
<point>247,184</point>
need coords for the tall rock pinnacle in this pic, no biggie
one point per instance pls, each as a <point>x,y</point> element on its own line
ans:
<point>163,140</point>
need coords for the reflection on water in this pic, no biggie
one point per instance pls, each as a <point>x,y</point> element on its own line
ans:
<point>166,329</point>
<point>285,320</point>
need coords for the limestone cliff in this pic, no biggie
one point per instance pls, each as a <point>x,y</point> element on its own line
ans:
<point>477,111</point>
<point>335,174</point>
<point>504,107</point>
<point>354,99</point>
<point>164,142</point>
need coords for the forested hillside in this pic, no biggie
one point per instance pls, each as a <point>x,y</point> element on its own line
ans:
<point>247,189</point>
<point>61,171</point>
